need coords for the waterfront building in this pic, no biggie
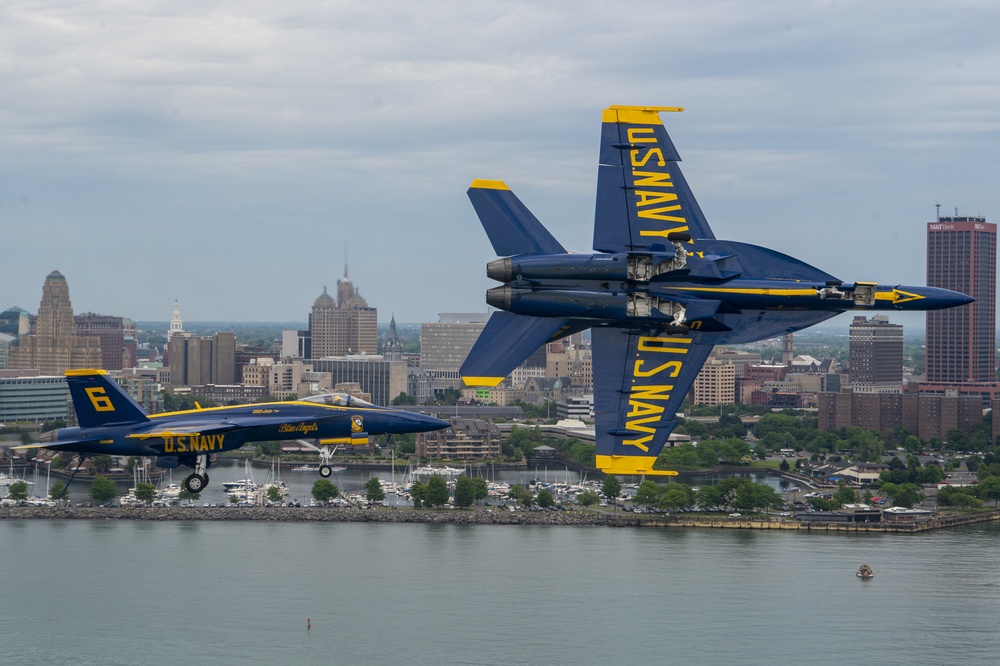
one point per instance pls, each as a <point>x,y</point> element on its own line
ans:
<point>962,256</point>
<point>53,346</point>
<point>876,355</point>
<point>466,439</point>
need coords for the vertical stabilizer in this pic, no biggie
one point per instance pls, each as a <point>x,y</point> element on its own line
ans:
<point>100,402</point>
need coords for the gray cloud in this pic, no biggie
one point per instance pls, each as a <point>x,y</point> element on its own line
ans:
<point>224,153</point>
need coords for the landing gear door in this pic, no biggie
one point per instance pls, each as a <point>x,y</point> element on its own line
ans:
<point>864,293</point>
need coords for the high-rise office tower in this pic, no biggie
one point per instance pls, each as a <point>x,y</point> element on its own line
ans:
<point>962,256</point>
<point>876,355</point>
<point>345,326</point>
<point>54,346</point>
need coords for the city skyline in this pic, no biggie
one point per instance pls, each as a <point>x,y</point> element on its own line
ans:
<point>192,152</point>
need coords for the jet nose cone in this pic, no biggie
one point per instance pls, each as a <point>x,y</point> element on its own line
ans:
<point>413,422</point>
<point>940,299</point>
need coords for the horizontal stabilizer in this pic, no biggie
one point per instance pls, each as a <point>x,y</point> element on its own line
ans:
<point>503,345</point>
<point>511,227</point>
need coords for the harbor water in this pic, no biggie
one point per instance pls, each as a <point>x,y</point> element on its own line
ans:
<point>109,592</point>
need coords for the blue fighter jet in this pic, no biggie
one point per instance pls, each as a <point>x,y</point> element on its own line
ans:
<point>112,423</point>
<point>658,295</point>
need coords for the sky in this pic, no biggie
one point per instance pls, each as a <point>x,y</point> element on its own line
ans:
<point>239,156</point>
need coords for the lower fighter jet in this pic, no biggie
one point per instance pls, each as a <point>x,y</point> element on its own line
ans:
<point>658,295</point>
<point>112,423</point>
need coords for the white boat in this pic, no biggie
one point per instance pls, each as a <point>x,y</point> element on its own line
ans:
<point>306,468</point>
<point>431,470</point>
<point>243,486</point>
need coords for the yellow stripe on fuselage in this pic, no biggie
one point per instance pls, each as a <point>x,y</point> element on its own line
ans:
<point>750,291</point>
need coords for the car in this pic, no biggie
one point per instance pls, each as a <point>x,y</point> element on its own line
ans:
<point>735,515</point>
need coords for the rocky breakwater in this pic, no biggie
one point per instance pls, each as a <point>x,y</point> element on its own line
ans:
<point>476,516</point>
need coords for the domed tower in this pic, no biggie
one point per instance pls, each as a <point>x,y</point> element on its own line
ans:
<point>345,326</point>
<point>54,347</point>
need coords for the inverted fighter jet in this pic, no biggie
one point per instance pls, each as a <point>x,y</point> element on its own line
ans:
<point>659,293</point>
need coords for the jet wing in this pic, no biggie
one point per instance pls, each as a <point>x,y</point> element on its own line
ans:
<point>751,325</point>
<point>640,379</point>
<point>642,196</point>
<point>503,345</point>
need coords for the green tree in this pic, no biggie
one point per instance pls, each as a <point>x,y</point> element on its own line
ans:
<point>611,488</point>
<point>324,491</point>
<point>711,497</point>
<point>18,491</point>
<point>480,488</point>
<point>145,492</point>
<point>234,499</point>
<point>844,495</point>
<point>102,463</point>
<point>274,494</point>
<point>822,504</point>
<point>903,494</point>
<point>677,497</point>
<point>545,498</point>
<point>588,498</point>
<point>418,491</point>
<point>437,491</point>
<point>404,399</point>
<point>756,497</point>
<point>103,489</point>
<point>989,489</point>
<point>373,490</point>
<point>465,492</point>
<point>59,491</point>
<point>648,493</point>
